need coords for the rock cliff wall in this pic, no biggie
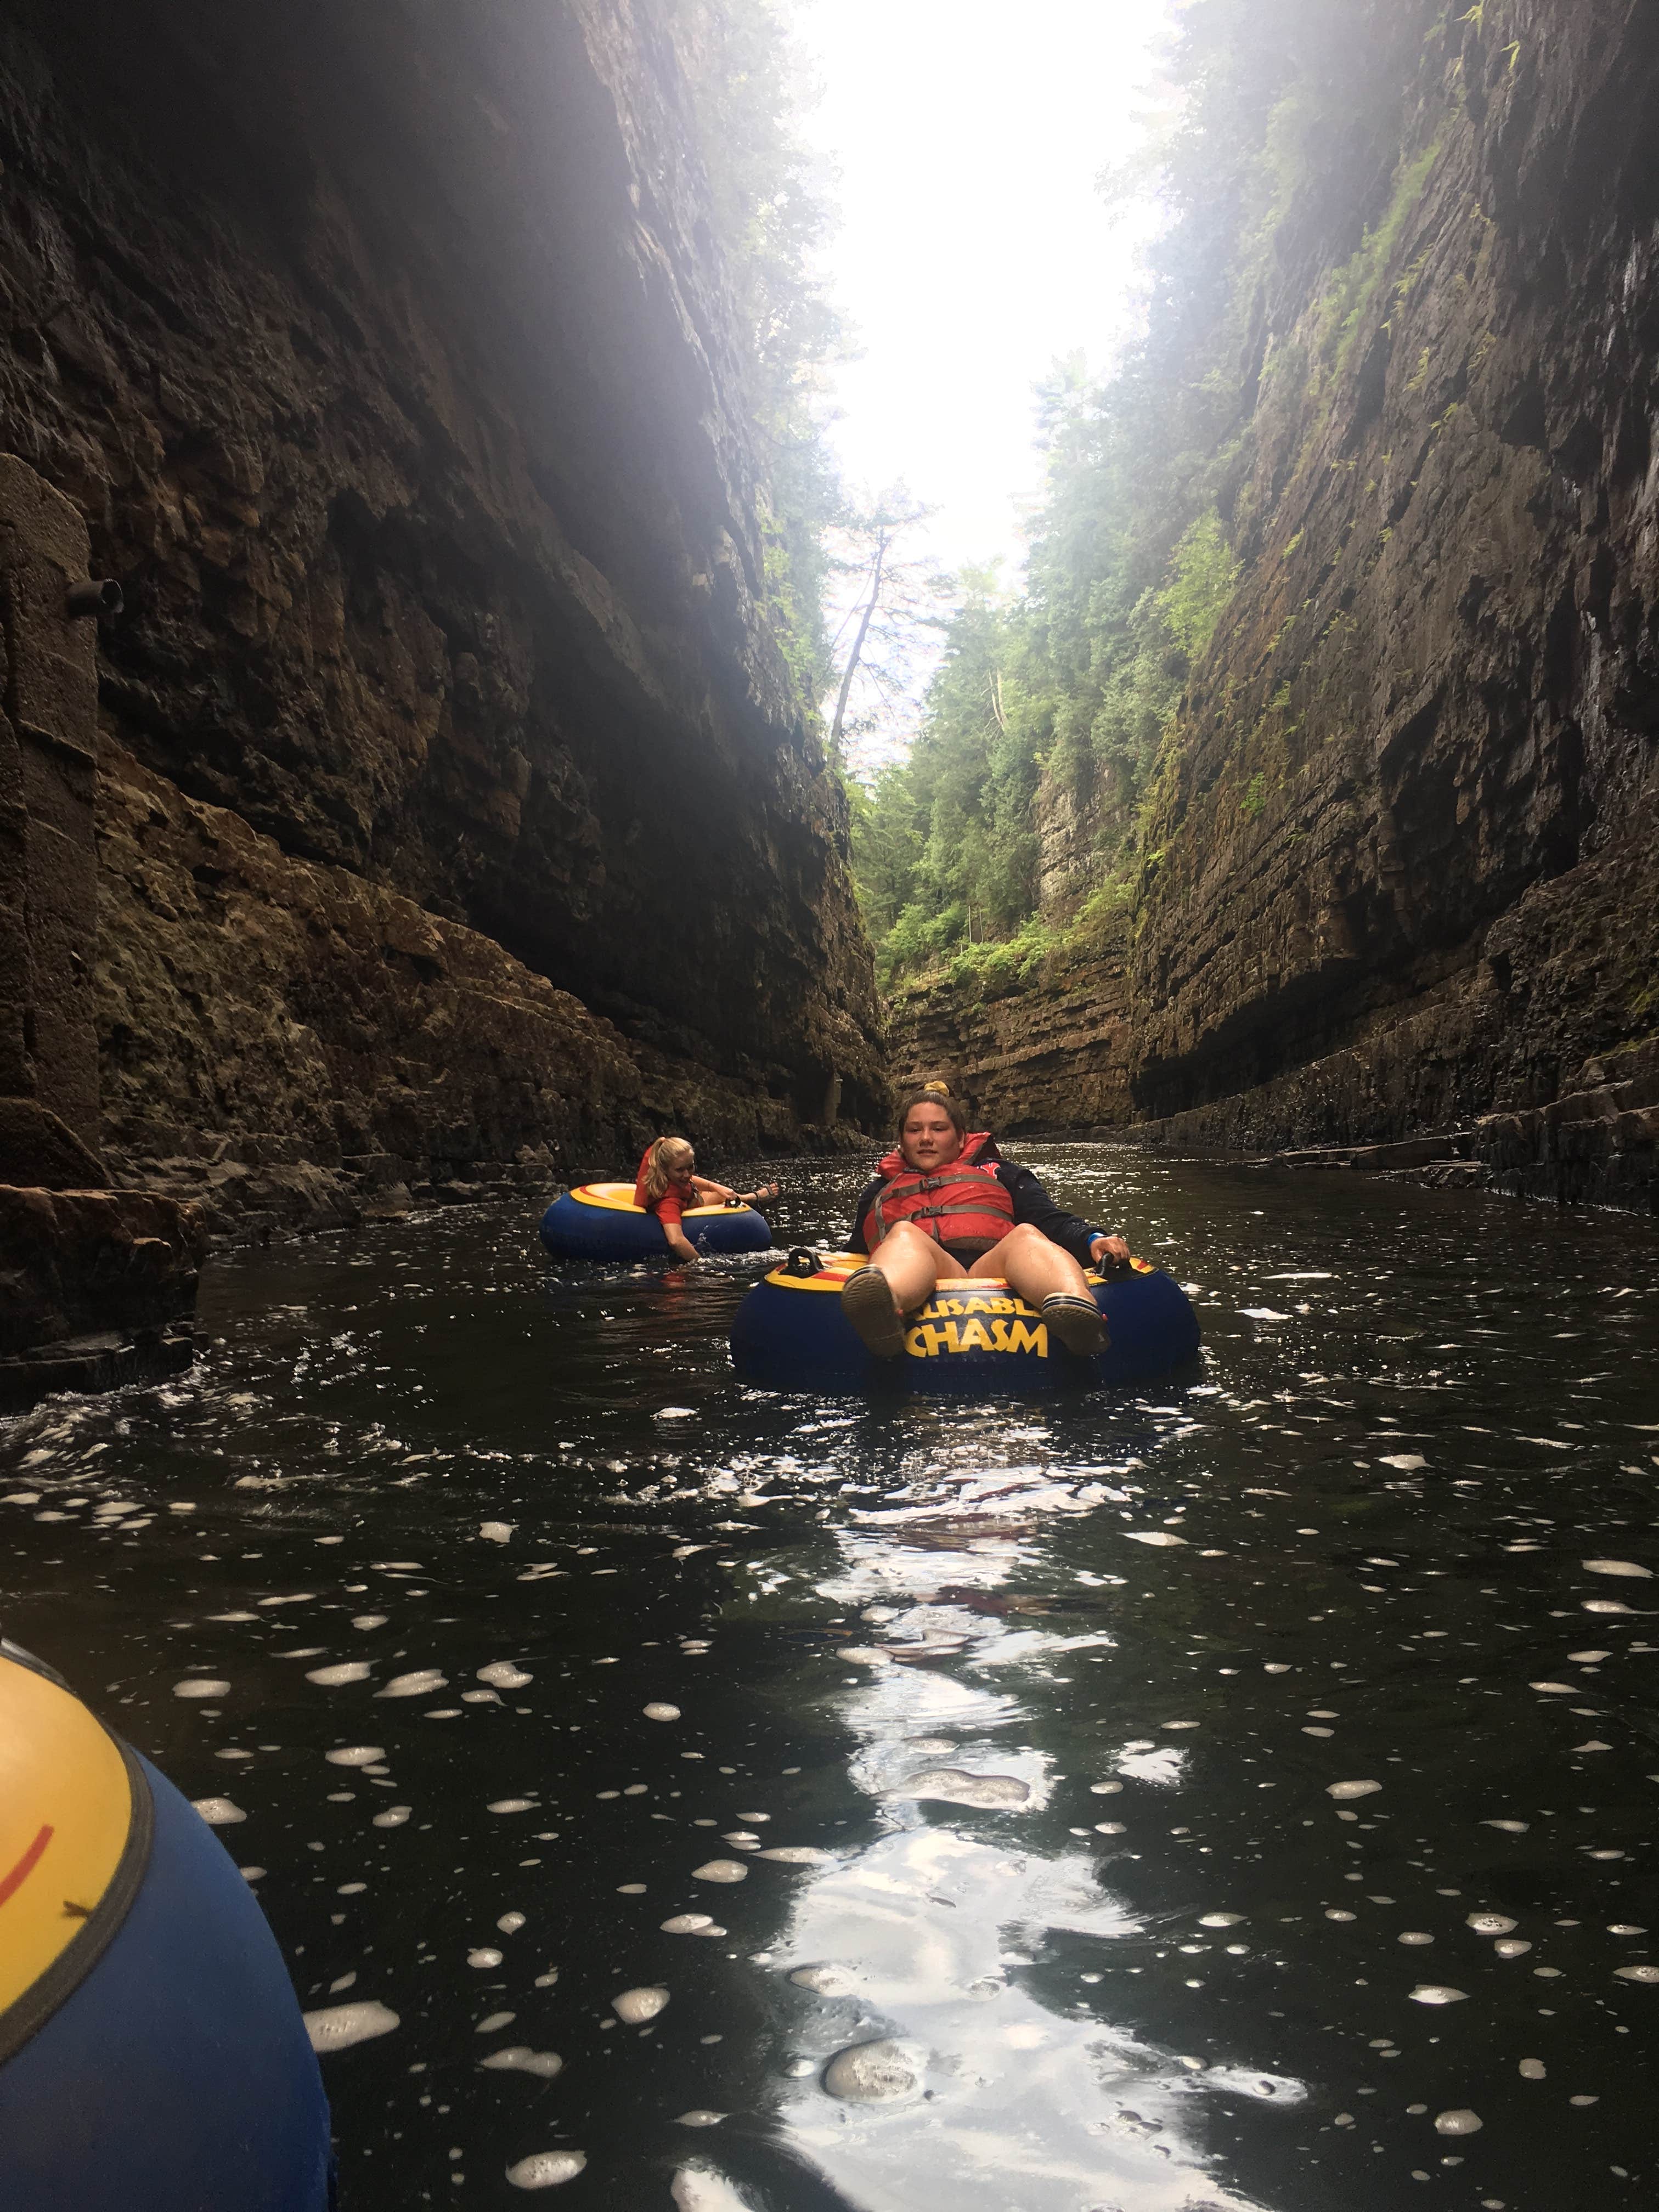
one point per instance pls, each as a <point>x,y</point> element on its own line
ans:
<point>1055,1054</point>
<point>387,353</point>
<point>1401,866</point>
<point>96,1285</point>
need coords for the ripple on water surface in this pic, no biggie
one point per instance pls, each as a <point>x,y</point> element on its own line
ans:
<point>1315,1618</point>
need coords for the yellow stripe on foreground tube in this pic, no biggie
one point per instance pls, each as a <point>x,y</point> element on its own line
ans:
<point>65,1808</point>
<point>618,1198</point>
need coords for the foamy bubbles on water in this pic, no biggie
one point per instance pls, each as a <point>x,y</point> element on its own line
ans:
<point>503,1674</point>
<point>656,1711</point>
<point>1221,1920</point>
<point>497,1532</point>
<point>1638,1974</point>
<point>393,1817</point>
<point>511,1805</point>
<point>699,2117</point>
<point>825,1981</point>
<point>356,1754</point>
<point>483,1957</point>
<point>1508,1827</point>
<point>1490,1924</point>
<point>1512,1947</point>
<point>510,1922</point>
<point>688,1924</point>
<point>334,1678</point>
<point>1414,1936</point>
<point>546,2169</point>
<point>1437,1993</point>
<point>200,1686</point>
<point>871,2073</point>
<point>719,1870</point>
<point>370,1619</point>
<point>1532,2069</point>
<point>336,2027</point>
<point>798,1855</point>
<point>519,2058</point>
<point>1344,1792</point>
<point>635,2007</point>
<point>1105,1789</point>
<point>419,1685</point>
<point>1627,1568</point>
<point>1461,2121</point>
<point>950,1785</point>
<point>218,1812</point>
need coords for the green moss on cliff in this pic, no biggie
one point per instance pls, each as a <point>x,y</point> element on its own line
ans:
<point>1286,132</point>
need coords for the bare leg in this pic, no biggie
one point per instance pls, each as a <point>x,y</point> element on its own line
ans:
<point>912,1263</point>
<point>1051,1280</point>
<point>1029,1264</point>
<point>899,1276</point>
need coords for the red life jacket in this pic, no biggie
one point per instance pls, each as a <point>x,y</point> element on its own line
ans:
<point>962,1203</point>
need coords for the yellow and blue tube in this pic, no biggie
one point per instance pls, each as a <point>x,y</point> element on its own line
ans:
<point>600,1221</point>
<point>151,2054</point>
<point>973,1337</point>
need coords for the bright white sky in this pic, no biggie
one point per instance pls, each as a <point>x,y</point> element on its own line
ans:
<point>974,248</point>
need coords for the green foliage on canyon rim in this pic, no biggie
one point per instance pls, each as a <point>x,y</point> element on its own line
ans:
<point>1013,835</point>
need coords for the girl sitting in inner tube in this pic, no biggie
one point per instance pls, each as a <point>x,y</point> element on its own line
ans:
<point>945,1203</point>
<point>666,1186</point>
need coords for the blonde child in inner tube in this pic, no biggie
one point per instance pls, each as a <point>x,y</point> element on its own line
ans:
<point>668,1187</point>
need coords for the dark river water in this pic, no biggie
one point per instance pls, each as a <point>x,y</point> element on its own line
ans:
<point>1049,1713</point>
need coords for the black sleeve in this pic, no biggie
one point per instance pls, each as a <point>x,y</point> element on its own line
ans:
<point>1032,1204</point>
<point>872,1190</point>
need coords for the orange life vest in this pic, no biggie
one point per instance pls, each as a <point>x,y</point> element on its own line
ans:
<point>962,1203</point>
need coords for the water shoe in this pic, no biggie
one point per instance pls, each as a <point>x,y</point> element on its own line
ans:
<point>867,1302</point>
<point>1077,1321</point>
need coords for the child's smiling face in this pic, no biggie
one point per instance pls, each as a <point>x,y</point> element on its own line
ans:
<point>681,1177</point>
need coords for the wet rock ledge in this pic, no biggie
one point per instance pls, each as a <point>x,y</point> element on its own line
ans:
<point>458,819</point>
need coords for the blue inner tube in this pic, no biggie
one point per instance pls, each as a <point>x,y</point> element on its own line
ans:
<point>972,1338</point>
<point>600,1221</point>
<point>158,2062</point>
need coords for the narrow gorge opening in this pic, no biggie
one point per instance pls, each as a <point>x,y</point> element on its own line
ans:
<point>601,601</point>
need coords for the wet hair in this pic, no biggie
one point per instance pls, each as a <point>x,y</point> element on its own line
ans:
<point>933,1094</point>
<point>666,1154</point>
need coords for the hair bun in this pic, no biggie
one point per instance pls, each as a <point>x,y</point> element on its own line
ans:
<point>940,1089</point>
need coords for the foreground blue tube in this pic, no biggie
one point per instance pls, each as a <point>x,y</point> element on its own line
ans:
<point>973,1339</point>
<point>158,2062</point>
<point>600,1221</point>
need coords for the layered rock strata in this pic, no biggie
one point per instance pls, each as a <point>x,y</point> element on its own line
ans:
<point>290,1043</point>
<point>1054,1055</point>
<point>96,1285</point>
<point>1400,864</point>
<point>1404,868</point>
<point>457,803</point>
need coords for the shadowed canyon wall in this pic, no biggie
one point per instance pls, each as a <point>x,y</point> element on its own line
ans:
<point>456,817</point>
<point>1400,868</point>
